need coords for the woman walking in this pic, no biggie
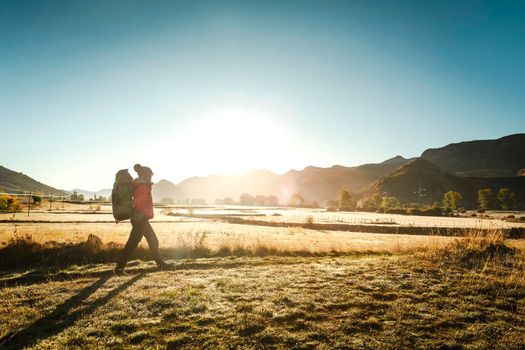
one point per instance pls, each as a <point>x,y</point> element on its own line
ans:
<point>143,212</point>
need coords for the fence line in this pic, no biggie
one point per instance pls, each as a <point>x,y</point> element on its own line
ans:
<point>30,194</point>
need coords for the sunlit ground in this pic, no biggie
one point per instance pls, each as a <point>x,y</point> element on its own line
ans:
<point>388,291</point>
<point>74,223</point>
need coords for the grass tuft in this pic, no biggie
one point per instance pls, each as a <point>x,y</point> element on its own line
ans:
<point>477,250</point>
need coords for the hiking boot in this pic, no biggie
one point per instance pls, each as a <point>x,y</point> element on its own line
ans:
<point>164,266</point>
<point>119,271</point>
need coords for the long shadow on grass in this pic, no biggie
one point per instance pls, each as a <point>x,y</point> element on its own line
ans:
<point>50,274</point>
<point>60,319</point>
<point>47,275</point>
<point>42,276</point>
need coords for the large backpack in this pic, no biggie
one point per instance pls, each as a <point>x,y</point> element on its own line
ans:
<point>122,196</point>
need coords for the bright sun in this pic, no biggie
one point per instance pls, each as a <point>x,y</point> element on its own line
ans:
<point>234,139</point>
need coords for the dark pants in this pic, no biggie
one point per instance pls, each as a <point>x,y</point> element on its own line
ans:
<point>140,227</point>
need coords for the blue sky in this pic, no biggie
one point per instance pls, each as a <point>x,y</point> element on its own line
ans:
<point>89,87</point>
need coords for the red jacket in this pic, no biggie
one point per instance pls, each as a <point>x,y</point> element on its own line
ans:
<point>142,198</point>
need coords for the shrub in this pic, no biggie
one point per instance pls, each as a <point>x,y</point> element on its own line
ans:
<point>394,211</point>
<point>432,211</point>
<point>309,220</point>
<point>414,211</point>
<point>390,202</point>
<point>36,199</point>
<point>346,209</point>
<point>9,204</point>
<point>477,250</point>
<point>368,209</point>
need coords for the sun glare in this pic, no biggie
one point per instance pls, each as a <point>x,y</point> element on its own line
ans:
<point>234,139</point>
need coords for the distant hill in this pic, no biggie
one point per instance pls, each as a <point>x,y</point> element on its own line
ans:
<point>165,189</point>
<point>14,182</point>
<point>313,183</point>
<point>417,174</point>
<point>482,158</point>
<point>321,184</point>
<point>464,167</point>
<point>212,187</point>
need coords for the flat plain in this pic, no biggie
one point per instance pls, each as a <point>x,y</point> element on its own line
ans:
<point>307,289</point>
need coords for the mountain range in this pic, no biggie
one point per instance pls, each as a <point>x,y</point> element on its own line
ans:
<point>313,183</point>
<point>503,157</point>
<point>464,167</point>
<point>420,181</point>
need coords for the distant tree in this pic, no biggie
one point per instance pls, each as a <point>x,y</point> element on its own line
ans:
<point>9,204</point>
<point>486,199</point>
<point>227,201</point>
<point>36,199</point>
<point>166,200</point>
<point>451,199</point>
<point>102,199</point>
<point>506,198</point>
<point>260,200</point>
<point>246,199</point>
<point>219,201</point>
<point>345,202</point>
<point>376,200</point>
<point>390,202</point>
<point>331,204</point>
<point>297,201</point>
<point>272,201</point>
<point>315,205</point>
<point>76,197</point>
<point>3,203</point>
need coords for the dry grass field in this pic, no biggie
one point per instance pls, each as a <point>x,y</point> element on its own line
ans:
<point>256,287</point>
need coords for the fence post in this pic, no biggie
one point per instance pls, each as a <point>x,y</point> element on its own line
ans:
<point>50,203</point>
<point>29,203</point>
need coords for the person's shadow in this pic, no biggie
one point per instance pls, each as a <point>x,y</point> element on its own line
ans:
<point>61,319</point>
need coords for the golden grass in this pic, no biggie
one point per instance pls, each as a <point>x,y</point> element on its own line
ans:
<point>345,302</point>
<point>463,293</point>
<point>231,235</point>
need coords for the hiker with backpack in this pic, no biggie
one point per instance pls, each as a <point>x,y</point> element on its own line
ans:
<point>132,199</point>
